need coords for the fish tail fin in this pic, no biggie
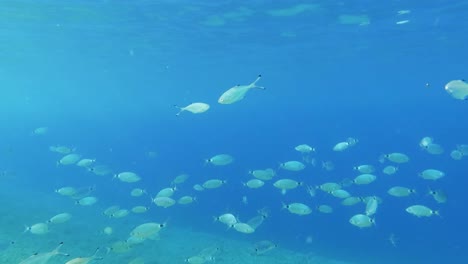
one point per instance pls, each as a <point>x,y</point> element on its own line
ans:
<point>94,256</point>
<point>283,206</point>
<point>254,83</point>
<point>180,109</point>
<point>56,251</point>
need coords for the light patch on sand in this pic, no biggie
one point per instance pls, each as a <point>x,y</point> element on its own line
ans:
<point>361,20</point>
<point>293,10</point>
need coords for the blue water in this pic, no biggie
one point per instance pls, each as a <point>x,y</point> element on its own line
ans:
<point>103,76</point>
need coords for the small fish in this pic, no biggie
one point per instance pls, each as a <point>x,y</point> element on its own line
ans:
<point>361,220</point>
<point>431,174</point>
<point>164,202</point>
<point>254,183</point>
<point>60,218</point>
<point>341,146</point>
<point>264,175</point>
<point>390,170</point>
<point>403,12</point>
<point>119,247</point>
<point>458,89</point>
<point>111,210</point>
<point>86,163</point>
<point>137,261</point>
<point>397,157</point>
<point>166,192</point>
<point>365,168</point>
<point>256,221</point>
<point>434,149</point>
<point>38,229</point>
<point>120,213</point>
<point>179,179</point>
<point>351,201</point>
<point>286,184</point>
<point>399,191</point>
<point>463,148</point>
<point>100,170</point>
<point>245,200</point>
<point>421,211</point>
<point>438,195</point>
<point>326,209</point>
<point>328,165</point>
<point>298,208</point>
<point>401,22</point>
<point>456,154</point>
<point>238,92</point>
<point>84,260</point>
<point>371,206</point>
<point>137,192</point>
<point>228,219</point>
<point>69,159</point>
<point>329,187</point>
<point>198,187</point>
<point>213,183</point>
<point>195,108</point>
<point>40,131</point>
<point>292,165</point>
<point>186,200</point>
<point>61,149</point>
<point>87,201</point>
<point>83,192</point>
<point>364,179</point>
<point>425,141</point>
<point>128,176</point>
<point>393,239</point>
<point>66,191</point>
<point>196,260</point>
<point>108,230</point>
<point>340,193</point>
<point>304,148</point>
<point>147,230</point>
<point>220,160</point>
<point>139,209</point>
<point>264,246</point>
<point>243,228</point>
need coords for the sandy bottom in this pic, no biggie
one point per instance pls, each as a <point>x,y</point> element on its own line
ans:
<point>174,246</point>
<point>83,234</point>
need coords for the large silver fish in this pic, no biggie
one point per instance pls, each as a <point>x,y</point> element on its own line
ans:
<point>238,92</point>
<point>43,258</point>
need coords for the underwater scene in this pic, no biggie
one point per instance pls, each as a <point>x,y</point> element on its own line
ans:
<point>177,131</point>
